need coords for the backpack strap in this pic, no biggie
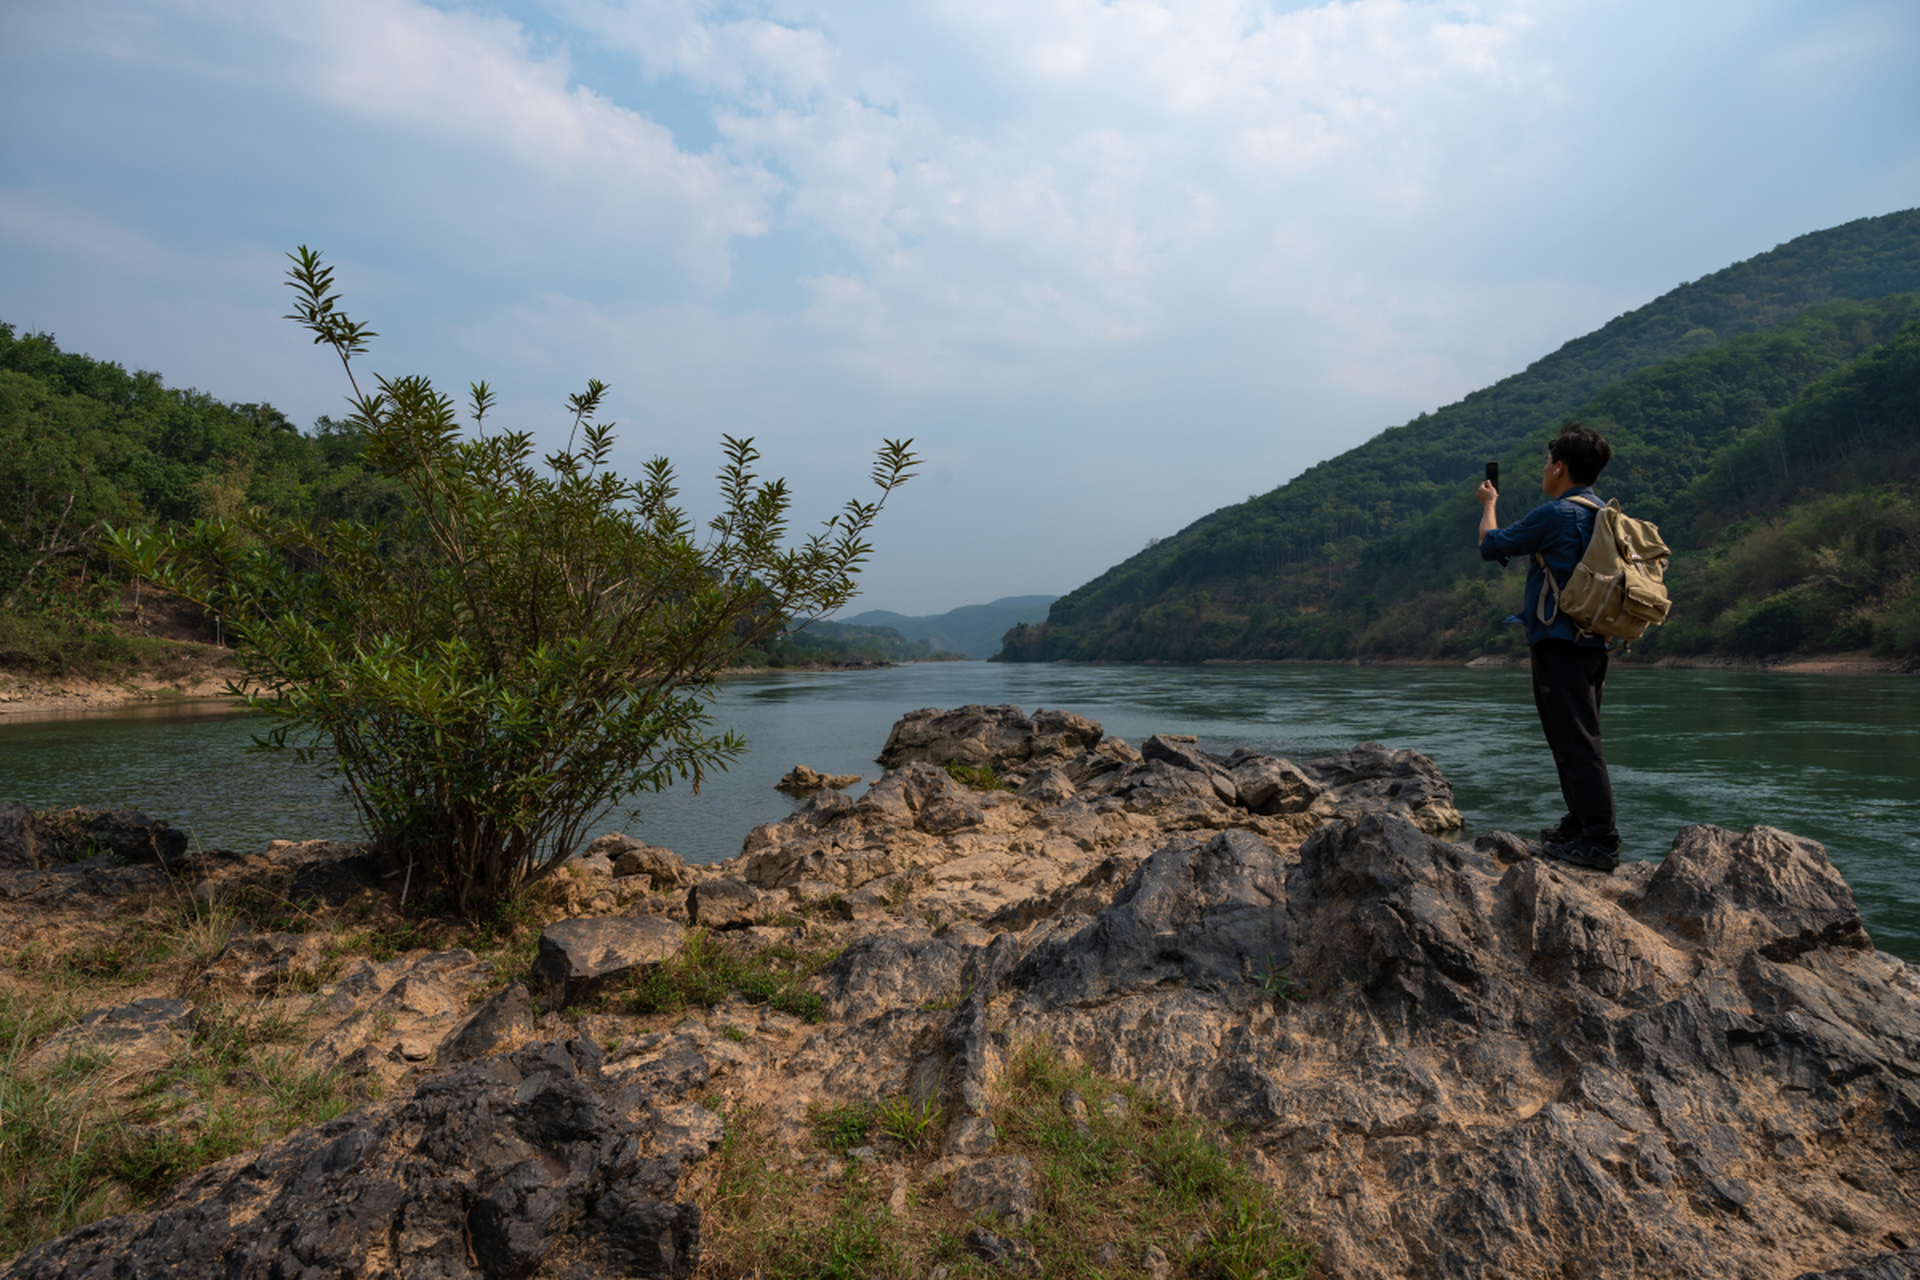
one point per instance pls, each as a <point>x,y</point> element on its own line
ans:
<point>1548,607</point>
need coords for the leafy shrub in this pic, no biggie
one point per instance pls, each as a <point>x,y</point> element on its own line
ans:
<point>1774,625</point>
<point>534,643</point>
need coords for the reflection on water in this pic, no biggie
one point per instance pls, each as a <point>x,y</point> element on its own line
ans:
<point>1834,758</point>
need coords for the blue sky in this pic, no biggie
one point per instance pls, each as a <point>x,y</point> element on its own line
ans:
<point>1112,265</point>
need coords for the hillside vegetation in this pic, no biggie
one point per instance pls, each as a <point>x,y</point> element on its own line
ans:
<point>839,644</point>
<point>85,445</point>
<point>973,630</point>
<point>1371,554</point>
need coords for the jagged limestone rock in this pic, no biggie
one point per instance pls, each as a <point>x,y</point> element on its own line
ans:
<point>1455,1057</point>
<point>801,780</point>
<point>534,1164</point>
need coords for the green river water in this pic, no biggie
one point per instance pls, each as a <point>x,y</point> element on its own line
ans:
<point>1836,758</point>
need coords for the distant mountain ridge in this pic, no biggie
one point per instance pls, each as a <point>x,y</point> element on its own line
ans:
<point>1292,573</point>
<point>973,629</point>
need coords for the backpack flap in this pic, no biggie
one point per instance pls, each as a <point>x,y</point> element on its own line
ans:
<point>1645,597</point>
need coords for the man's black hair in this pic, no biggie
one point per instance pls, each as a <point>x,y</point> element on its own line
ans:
<point>1584,450</point>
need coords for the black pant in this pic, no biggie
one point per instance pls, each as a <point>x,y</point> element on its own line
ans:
<point>1567,682</point>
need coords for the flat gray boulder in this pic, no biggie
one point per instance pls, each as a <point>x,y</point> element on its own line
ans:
<point>726,902</point>
<point>138,1035</point>
<point>577,956</point>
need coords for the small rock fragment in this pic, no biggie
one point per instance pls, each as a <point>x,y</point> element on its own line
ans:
<point>969,1136</point>
<point>801,780</point>
<point>718,904</point>
<point>1015,1256</point>
<point>501,1023</point>
<point>1050,785</point>
<point>1000,1185</point>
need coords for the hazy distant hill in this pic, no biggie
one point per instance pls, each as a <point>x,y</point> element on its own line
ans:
<point>1334,562</point>
<point>973,629</point>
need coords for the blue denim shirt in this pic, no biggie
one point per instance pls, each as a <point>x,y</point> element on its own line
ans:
<point>1559,530</point>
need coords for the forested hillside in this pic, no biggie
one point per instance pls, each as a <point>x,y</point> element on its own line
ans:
<point>839,644</point>
<point>85,444</point>
<point>1362,555</point>
<point>972,629</point>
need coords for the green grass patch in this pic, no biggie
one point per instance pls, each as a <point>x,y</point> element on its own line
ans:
<point>1137,1172</point>
<point>980,777</point>
<point>708,971</point>
<point>913,1128</point>
<point>1130,1173</point>
<point>840,1129</point>
<point>767,1218</point>
<point>114,959</point>
<point>75,1146</point>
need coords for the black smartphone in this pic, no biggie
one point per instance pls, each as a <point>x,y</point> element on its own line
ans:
<point>1493,474</point>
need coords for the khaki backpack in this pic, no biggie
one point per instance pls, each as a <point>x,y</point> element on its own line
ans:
<point>1618,589</point>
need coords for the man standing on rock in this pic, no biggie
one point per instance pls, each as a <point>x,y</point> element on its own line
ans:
<point>1569,665</point>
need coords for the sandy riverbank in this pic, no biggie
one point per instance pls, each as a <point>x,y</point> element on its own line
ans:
<point>34,697</point>
<point>25,697</point>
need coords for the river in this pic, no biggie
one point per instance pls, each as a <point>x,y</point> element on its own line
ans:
<point>1836,758</point>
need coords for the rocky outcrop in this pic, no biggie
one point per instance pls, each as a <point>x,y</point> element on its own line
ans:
<point>544,1162</point>
<point>801,781</point>
<point>21,847</point>
<point>1455,1057</point>
<point>1458,1056</point>
<point>1000,738</point>
<point>626,856</point>
<point>1014,857</point>
<point>35,867</point>
<point>131,836</point>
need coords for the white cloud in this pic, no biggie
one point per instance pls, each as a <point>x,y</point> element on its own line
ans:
<point>1096,156</point>
<point>476,131</point>
<point>1159,253</point>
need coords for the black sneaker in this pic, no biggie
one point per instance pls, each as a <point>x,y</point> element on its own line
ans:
<point>1558,835</point>
<point>1585,851</point>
